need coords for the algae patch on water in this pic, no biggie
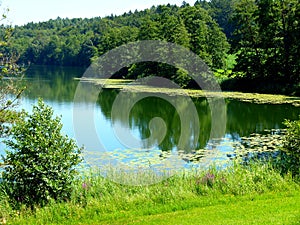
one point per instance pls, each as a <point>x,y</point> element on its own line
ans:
<point>133,86</point>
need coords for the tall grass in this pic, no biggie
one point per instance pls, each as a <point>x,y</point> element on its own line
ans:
<point>97,197</point>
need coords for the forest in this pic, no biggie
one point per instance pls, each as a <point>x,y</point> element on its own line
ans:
<point>251,45</point>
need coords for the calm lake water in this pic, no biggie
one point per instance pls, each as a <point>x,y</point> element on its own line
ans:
<point>57,87</point>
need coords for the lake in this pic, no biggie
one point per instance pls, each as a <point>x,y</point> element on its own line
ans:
<point>57,86</point>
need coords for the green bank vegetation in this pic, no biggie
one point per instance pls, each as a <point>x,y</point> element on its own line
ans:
<point>244,195</point>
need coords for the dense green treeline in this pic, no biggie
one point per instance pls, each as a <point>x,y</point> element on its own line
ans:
<point>268,46</point>
<point>72,42</point>
<point>252,45</point>
<point>77,42</point>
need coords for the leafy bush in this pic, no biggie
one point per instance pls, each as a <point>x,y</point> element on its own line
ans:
<point>292,147</point>
<point>41,163</point>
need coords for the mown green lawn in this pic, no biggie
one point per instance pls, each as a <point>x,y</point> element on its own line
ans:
<point>268,208</point>
<point>279,210</point>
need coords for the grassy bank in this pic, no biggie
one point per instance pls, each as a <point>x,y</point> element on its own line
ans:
<point>256,194</point>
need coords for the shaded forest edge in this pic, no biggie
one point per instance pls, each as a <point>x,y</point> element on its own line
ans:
<point>251,45</point>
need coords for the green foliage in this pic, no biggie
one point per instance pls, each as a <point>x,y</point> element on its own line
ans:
<point>268,39</point>
<point>206,38</point>
<point>40,165</point>
<point>181,77</point>
<point>222,11</point>
<point>10,87</point>
<point>225,74</point>
<point>292,147</point>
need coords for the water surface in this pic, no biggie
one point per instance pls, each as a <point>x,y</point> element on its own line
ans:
<point>57,86</point>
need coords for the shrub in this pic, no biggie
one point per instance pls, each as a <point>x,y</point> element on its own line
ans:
<point>41,162</point>
<point>291,147</point>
